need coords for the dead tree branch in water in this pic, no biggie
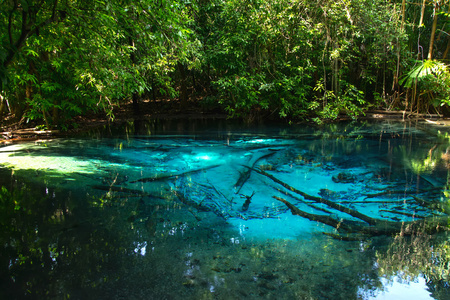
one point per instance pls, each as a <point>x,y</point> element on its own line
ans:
<point>373,227</point>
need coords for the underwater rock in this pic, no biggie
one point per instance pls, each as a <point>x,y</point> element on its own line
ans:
<point>344,178</point>
<point>329,194</point>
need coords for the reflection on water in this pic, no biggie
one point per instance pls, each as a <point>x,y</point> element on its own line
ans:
<point>160,210</point>
<point>400,289</point>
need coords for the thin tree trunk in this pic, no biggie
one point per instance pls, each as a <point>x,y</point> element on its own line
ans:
<point>403,13</point>
<point>395,87</point>
<point>422,13</point>
<point>2,106</point>
<point>433,31</point>
<point>444,56</point>
<point>133,58</point>
<point>183,83</point>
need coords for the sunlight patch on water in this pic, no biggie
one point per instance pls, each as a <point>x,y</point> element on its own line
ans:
<point>25,157</point>
<point>60,164</point>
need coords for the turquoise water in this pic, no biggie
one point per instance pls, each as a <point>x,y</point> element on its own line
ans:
<point>210,210</point>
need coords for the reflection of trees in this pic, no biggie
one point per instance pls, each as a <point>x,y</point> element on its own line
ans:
<point>408,257</point>
<point>49,246</point>
<point>55,245</point>
<point>420,253</point>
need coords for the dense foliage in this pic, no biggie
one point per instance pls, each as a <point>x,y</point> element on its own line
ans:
<point>253,58</point>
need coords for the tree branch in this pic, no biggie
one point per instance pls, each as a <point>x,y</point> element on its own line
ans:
<point>10,23</point>
<point>331,204</point>
<point>375,227</point>
<point>313,217</point>
<point>27,30</point>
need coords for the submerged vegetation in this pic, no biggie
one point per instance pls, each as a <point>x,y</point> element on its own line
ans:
<point>287,59</point>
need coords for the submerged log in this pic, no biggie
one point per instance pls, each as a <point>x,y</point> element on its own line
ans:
<point>392,192</point>
<point>310,204</point>
<point>121,189</point>
<point>374,227</point>
<point>245,175</point>
<point>347,238</point>
<point>168,176</point>
<point>402,213</point>
<point>313,217</point>
<point>190,202</point>
<point>429,225</point>
<point>347,210</point>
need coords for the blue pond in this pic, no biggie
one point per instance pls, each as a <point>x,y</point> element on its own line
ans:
<point>210,210</point>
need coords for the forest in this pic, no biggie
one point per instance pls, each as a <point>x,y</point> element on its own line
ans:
<point>253,59</point>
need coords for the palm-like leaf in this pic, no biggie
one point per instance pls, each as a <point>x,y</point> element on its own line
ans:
<point>424,69</point>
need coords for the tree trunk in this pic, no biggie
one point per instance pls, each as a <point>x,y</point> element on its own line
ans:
<point>422,13</point>
<point>134,96</point>
<point>433,31</point>
<point>444,56</point>
<point>2,106</point>
<point>28,28</point>
<point>183,85</point>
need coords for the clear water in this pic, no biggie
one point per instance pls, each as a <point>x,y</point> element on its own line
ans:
<point>193,210</point>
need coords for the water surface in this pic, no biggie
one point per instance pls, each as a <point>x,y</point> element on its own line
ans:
<point>210,210</point>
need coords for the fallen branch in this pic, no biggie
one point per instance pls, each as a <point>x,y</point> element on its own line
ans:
<point>310,204</point>
<point>190,203</point>
<point>313,217</point>
<point>347,238</point>
<point>331,204</point>
<point>220,193</point>
<point>400,192</point>
<point>403,213</point>
<point>434,205</point>
<point>377,202</point>
<point>378,227</point>
<point>120,189</point>
<point>168,176</point>
<point>245,175</point>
